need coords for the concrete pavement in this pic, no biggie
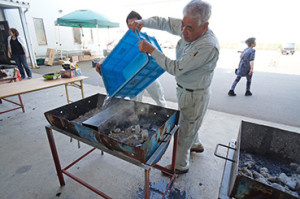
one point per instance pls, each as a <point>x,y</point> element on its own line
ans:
<point>275,88</point>
<point>28,171</point>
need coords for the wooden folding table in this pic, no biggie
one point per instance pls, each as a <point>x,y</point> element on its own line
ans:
<point>17,88</point>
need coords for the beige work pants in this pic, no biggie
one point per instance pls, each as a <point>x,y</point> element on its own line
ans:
<point>192,106</point>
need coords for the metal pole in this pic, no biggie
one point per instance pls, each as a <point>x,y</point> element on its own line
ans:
<point>147,183</point>
<point>175,143</point>
<point>27,38</point>
<point>59,43</point>
<point>99,50</point>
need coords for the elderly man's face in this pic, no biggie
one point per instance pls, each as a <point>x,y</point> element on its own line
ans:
<point>191,30</point>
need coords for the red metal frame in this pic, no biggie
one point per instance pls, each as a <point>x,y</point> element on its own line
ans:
<point>60,172</point>
<point>20,105</point>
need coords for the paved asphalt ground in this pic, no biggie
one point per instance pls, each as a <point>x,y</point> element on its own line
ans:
<point>275,87</point>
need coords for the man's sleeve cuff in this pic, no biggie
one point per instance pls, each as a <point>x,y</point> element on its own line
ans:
<point>159,57</point>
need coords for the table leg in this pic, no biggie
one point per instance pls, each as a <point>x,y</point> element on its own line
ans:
<point>67,93</point>
<point>21,103</point>
<point>81,86</point>
<point>55,156</point>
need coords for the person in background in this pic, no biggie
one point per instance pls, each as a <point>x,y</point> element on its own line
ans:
<point>197,53</point>
<point>84,41</point>
<point>17,50</point>
<point>155,89</point>
<point>245,67</point>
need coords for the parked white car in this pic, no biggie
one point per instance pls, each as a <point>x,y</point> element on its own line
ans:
<point>288,48</point>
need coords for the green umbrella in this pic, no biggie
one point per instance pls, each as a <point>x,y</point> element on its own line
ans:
<point>85,19</point>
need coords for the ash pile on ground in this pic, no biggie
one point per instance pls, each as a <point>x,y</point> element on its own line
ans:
<point>281,176</point>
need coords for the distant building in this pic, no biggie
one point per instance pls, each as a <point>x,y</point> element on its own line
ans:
<point>38,19</point>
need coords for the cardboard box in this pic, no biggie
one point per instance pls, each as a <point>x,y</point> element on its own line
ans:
<point>49,57</point>
<point>74,58</point>
<point>60,62</point>
<point>67,73</point>
<point>84,57</point>
<point>93,53</point>
<point>87,52</point>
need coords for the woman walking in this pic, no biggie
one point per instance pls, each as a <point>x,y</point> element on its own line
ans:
<point>17,50</point>
<point>245,67</point>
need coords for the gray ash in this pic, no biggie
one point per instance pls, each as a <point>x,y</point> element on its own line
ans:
<point>279,175</point>
<point>134,135</point>
<point>275,168</point>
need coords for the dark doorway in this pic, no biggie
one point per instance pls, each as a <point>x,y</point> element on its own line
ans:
<point>3,42</point>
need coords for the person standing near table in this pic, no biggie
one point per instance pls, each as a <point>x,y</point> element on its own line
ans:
<point>155,89</point>
<point>17,50</point>
<point>197,53</point>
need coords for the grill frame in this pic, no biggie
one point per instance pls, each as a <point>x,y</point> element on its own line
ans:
<point>63,118</point>
<point>282,146</point>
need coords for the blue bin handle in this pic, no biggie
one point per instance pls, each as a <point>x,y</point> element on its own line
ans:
<point>137,34</point>
<point>139,38</point>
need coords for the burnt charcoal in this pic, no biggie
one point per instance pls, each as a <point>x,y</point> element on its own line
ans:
<point>249,164</point>
<point>145,134</point>
<point>292,185</point>
<point>283,178</point>
<point>133,135</point>
<point>298,187</point>
<point>298,169</point>
<point>136,129</point>
<point>279,175</point>
<point>247,172</point>
<point>273,179</point>
<point>153,129</point>
<point>248,156</point>
<point>257,175</point>
<point>263,180</point>
<point>275,168</point>
<point>146,126</point>
<point>294,166</point>
<point>278,186</point>
<point>131,140</point>
<point>265,172</point>
<point>117,130</point>
<point>133,118</point>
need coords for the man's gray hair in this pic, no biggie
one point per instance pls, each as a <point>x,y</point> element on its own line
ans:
<point>198,9</point>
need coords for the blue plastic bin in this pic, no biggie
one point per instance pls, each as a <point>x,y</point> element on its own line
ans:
<point>126,71</point>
